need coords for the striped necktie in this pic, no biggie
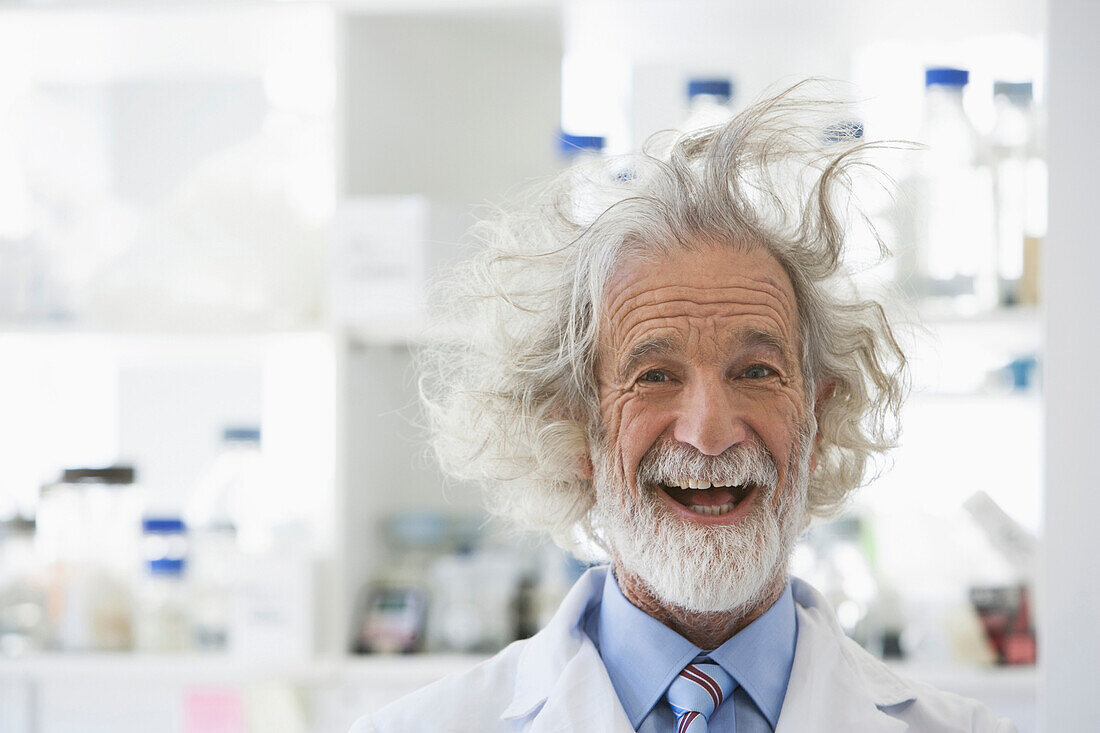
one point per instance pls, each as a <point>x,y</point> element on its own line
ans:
<point>696,693</point>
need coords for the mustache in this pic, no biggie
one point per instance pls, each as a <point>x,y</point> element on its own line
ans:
<point>670,462</point>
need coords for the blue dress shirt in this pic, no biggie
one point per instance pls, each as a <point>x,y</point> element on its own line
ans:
<point>643,656</point>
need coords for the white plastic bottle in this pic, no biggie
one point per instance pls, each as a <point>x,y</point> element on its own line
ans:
<point>231,494</point>
<point>583,154</point>
<point>955,248</point>
<point>708,103</point>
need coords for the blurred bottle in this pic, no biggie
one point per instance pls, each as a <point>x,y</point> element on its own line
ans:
<point>213,573</point>
<point>231,493</point>
<point>88,535</point>
<point>1019,180</point>
<point>708,103</point>
<point>574,149</point>
<point>162,619</point>
<point>273,601</point>
<point>219,501</point>
<point>952,259</point>
<point>583,154</point>
<point>23,626</point>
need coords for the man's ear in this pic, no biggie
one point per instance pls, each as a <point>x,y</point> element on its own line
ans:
<point>823,392</point>
<point>584,467</point>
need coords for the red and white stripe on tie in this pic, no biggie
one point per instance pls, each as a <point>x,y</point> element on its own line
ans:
<point>696,693</point>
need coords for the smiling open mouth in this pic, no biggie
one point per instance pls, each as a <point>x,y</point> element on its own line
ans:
<point>702,497</point>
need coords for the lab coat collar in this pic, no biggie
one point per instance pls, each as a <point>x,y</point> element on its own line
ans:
<point>560,677</point>
<point>834,685</point>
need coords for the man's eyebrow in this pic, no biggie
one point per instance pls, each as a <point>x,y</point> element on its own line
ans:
<point>644,348</point>
<point>760,338</point>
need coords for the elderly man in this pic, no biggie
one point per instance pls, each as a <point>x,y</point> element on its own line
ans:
<point>664,360</point>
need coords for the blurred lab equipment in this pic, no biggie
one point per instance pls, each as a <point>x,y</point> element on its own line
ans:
<point>446,585</point>
<point>1019,181</point>
<point>162,620</point>
<point>1005,611</point>
<point>473,599</point>
<point>272,607</point>
<point>231,494</point>
<point>950,258</point>
<point>391,621</point>
<point>23,626</point>
<point>841,569</point>
<point>1013,541</point>
<point>213,575</point>
<point>709,103</point>
<point>29,291</point>
<point>88,532</point>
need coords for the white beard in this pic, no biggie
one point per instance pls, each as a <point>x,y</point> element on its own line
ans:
<point>701,568</point>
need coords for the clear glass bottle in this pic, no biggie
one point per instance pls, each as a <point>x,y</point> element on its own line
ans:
<point>88,534</point>
<point>23,626</point>
<point>1019,181</point>
<point>954,247</point>
<point>213,575</point>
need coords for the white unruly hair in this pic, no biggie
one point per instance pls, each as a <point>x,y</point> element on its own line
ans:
<point>511,392</point>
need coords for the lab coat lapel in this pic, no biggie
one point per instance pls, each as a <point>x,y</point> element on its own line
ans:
<point>561,682</point>
<point>830,688</point>
<point>582,699</point>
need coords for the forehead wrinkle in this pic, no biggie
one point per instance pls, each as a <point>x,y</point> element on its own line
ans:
<point>651,296</point>
<point>767,312</point>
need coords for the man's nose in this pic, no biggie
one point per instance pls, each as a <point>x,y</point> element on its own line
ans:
<point>709,420</point>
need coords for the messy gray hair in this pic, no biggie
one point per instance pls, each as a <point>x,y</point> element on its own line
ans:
<point>510,388</point>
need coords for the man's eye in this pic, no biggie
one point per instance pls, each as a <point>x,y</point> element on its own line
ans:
<point>758,371</point>
<point>653,375</point>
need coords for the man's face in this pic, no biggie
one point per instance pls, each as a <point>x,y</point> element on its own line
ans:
<point>700,383</point>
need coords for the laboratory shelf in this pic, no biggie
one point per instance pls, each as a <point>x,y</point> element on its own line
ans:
<point>226,669</point>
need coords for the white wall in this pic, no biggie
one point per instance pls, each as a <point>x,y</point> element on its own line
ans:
<point>1070,622</point>
<point>460,107</point>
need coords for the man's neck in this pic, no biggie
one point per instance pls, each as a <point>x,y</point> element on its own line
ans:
<point>706,630</point>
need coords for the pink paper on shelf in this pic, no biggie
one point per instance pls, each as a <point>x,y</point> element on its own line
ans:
<point>213,710</point>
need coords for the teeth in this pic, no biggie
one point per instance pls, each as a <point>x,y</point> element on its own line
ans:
<point>714,511</point>
<point>701,484</point>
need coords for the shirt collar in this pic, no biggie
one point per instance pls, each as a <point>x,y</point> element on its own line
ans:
<point>761,655</point>
<point>643,656</point>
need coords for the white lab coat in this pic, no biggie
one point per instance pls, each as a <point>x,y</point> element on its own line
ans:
<point>555,681</point>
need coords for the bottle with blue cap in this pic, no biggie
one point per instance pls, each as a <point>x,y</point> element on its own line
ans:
<point>589,172</point>
<point>955,267</point>
<point>709,102</point>
<point>162,621</point>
